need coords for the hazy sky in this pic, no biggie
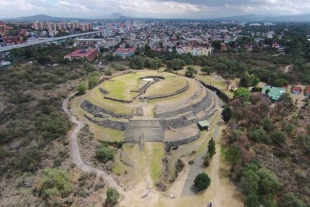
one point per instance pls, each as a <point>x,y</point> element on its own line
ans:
<point>151,8</point>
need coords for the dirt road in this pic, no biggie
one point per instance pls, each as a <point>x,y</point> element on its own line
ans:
<point>76,157</point>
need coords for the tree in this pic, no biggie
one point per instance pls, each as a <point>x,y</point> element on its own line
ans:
<point>260,135</point>
<point>216,45</point>
<point>54,125</point>
<point>248,80</point>
<point>243,93</point>
<point>176,64</point>
<point>127,45</point>
<point>137,51</point>
<point>93,80</point>
<point>267,124</point>
<point>202,181</point>
<point>28,160</point>
<point>233,155</point>
<point>207,70</point>
<point>190,71</point>
<point>252,200</point>
<point>104,153</point>
<point>269,183</point>
<point>137,62</point>
<point>112,197</point>
<point>289,200</point>
<point>278,137</point>
<point>42,60</point>
<point>211,148</point>
<point>81,88</point>
<point>55,183</point>
<point>287,100</point>
<point>226,114</point>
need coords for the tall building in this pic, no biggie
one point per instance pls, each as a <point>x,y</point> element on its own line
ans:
<point>70,25</point>
<point>1,40</point>
<point>51,26</point>
<point>61,26</point>
<point>38,25</point>
<point>85,26</point>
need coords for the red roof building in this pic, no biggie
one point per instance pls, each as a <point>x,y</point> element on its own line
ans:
<point>307,91</point>
<point>296,90</point>
<point>81,53</point>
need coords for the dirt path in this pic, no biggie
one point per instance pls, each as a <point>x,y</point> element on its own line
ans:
<point>76,157</point>
<point>222,191</point>
<point>198,166</point>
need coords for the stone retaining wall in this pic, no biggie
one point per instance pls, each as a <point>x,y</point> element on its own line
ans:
<point>183,141</point>
<point>218,92</point>
<point>118,100</point>
<point>178,122</point>
<point>150,130</point>
<point>103,91</point>
<point>168,95</point>
<point>93,109</point>
<point>121,126</point>
<point>201,105</point>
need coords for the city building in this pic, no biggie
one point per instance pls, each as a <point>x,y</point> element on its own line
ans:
<point>82,53</point>
<point>61,26</point>
<point>38,25</point>
<point>51,26</point>
<point>195,51</point>
<point>85,26</point>
<point>125,52</point>
<point>307,91</point>
<point>296,90</point>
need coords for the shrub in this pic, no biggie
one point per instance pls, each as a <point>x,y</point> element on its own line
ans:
<point>226,114</point>
<point>55,183</point>
<point>81,88</point>
<point>211,148</point>
<point>202,181</point>
<point>278,137</point>
<point>112,197</point>
<point>289,200</point>
<point>28,160</point>
<point>206,161</point>
<point>104,153</point>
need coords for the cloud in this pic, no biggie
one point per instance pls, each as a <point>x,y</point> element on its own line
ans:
<point>66,5</point>
<point>153,8</point>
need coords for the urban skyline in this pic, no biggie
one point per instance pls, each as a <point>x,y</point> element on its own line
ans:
<point>151,8</point>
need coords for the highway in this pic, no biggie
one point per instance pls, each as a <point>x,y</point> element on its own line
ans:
<point>36,42</point>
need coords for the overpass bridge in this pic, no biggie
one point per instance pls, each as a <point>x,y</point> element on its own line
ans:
<point>47,40</point>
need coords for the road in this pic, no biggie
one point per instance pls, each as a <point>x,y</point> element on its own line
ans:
<point>46,40</point>
<point>76,157</point>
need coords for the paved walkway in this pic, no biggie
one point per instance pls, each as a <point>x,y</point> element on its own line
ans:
<point>76,157</point>
<point>198,167</point>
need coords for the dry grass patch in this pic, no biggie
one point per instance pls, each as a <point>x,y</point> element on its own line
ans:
<point>167,86</point>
